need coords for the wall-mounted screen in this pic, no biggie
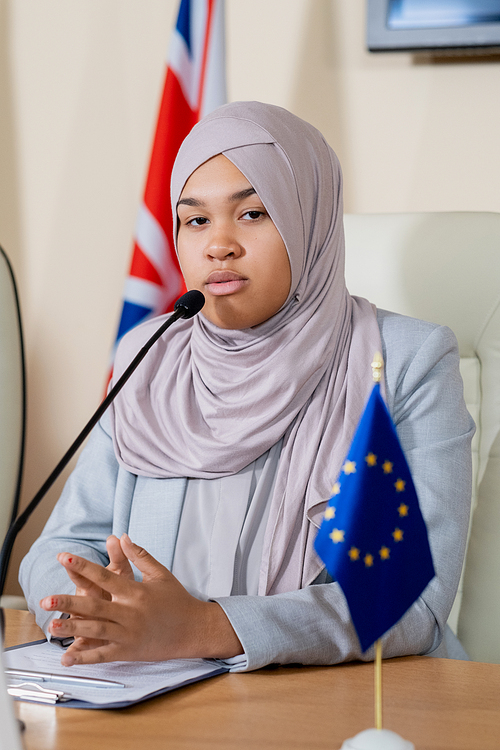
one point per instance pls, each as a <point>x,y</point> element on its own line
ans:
<point>414,25</point>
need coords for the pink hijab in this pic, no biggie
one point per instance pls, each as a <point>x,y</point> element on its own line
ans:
<point>206,401</point>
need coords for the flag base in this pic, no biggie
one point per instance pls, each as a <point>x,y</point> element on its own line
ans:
<point>377,739</point>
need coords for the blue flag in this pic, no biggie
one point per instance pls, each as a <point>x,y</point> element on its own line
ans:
<point>373,539</point>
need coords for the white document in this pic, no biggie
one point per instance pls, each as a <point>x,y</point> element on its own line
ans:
<point>142,679</point>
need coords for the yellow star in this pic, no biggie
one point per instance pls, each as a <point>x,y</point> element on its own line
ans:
<point>371,459</point>
<point>329,513</point>
<point>368,560</point>
<point>403,510</point>
<point>398,535</point>
<point>354,553</point>
<point>384,553</point>
<point>336,488</point>
<point>400,485</point>
<point>349,467</point>
<point>337,536</point>
<point>387,467</point>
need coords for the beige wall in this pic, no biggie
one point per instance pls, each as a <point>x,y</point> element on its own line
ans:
<point>79,88</point>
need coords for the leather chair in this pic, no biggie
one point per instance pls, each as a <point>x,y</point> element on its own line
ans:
<point>12,405</point>
<point>445,268</point>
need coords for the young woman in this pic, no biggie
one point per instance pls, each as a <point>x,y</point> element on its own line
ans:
<point>220,453</point>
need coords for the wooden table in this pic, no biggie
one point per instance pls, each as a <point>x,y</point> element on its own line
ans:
<point>438,704</point>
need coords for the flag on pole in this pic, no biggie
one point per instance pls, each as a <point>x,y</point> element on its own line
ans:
<point>373,538</point>
<point>194,85</point>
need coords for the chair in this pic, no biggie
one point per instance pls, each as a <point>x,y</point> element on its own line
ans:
<point>12,405</point>
<point>445,268</point>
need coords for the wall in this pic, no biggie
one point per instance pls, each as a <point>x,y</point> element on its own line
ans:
<point>79,88</point>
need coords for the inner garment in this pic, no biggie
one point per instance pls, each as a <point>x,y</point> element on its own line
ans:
<point>221,531</point>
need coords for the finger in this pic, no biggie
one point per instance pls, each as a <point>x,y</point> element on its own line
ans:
<point>150,568</point>
<point>84,644</point>
<point>85,587</point>
<point>94,591</point>
<point>81,606</point>
<point>103,578</point>
<point>118,562</point>
<point>94,630</point>
<point>90,655</point>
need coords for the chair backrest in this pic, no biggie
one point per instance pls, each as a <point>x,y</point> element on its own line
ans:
<point>445,268</point>
<point>12,396</point>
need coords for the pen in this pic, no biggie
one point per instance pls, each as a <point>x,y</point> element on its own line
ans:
<point>74,680</point>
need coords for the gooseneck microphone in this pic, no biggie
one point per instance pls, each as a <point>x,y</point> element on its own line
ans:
<point>186,306</point>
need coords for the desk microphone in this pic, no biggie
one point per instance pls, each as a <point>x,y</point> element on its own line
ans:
<point>186,306</point>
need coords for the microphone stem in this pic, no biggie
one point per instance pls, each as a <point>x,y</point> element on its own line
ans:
<point>20,521</point>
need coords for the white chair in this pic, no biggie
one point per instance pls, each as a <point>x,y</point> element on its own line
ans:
<point>12,405</point>
<point>445,268</point>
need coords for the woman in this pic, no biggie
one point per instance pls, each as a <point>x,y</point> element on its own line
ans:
<point>219,454</point>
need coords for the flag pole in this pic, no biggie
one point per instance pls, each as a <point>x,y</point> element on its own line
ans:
<point>377,366</point>
<point>376,738</point>
<point>378,684</point>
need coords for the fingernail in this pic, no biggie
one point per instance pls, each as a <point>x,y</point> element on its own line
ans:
<point>127,538</point>
<point>50,602</point>
<point>64,558</point>
<point>67,661</point>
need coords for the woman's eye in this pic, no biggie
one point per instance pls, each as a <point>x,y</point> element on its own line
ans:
<point>253,215</point>
<point>198,221</point>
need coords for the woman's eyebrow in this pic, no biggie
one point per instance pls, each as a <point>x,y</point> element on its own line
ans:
<point>189,202</point>
<point>239,196</point>
<point>242,194</point>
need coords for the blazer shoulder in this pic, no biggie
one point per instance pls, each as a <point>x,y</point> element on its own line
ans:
<point>407,335</point>
<point>414,350</point>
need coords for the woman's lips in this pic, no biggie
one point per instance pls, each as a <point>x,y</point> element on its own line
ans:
<point>220,283</point>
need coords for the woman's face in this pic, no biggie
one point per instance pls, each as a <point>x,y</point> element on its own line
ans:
<point>229,248</point>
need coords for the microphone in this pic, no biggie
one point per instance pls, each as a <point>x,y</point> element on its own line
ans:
<point>190,304</point>
<point>186,306</point>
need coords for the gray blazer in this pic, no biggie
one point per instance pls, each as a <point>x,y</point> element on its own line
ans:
<point>311,626</point>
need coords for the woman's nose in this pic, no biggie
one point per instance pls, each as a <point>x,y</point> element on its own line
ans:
<point>223,245</point>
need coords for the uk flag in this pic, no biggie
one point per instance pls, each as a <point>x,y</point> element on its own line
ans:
<point>194,86</point>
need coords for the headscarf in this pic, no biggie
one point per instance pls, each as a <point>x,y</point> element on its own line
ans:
<point>207,401</point>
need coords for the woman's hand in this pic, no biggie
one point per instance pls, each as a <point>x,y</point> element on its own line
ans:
<point>152,620</point>
<point>118,563</point>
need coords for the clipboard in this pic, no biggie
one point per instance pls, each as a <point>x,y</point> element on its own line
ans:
<point>142,680</point>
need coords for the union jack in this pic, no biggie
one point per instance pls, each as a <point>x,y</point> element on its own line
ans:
<point>194,85</point>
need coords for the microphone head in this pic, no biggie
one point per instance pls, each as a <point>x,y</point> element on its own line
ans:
<point>190,303</point>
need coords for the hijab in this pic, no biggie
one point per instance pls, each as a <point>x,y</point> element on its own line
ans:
<point>207,401</point>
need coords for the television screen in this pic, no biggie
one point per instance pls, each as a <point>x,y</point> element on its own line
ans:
<point>433,24</point>
<point>431,14</point>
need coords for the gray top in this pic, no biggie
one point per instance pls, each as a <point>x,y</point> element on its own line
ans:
<point>221,530</point>
<point>312,626</point>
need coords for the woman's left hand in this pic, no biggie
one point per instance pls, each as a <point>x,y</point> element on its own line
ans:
<point>152,620</point>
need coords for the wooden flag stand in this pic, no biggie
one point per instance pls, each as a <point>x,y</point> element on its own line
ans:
<point>378,738</point>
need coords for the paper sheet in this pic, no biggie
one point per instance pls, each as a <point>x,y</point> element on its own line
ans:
<point>142,679</point>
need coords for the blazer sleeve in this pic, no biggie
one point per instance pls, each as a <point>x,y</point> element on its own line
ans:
<point>80,523</point>
<point>425,397</point>
<point>100,498</point>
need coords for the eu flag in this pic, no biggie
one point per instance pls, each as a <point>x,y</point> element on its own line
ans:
<point>373,539</point>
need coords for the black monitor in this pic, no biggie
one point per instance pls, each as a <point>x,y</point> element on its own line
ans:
<point>419,25</point>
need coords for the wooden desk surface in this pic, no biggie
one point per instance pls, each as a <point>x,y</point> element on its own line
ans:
<point>438,704</point>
